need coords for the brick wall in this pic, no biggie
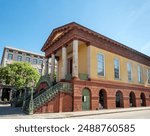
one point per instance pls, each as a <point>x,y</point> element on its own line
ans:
<point>110,97</point>
<point>62,102</point>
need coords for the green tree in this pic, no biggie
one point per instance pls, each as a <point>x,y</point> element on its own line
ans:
<point>19,75</point>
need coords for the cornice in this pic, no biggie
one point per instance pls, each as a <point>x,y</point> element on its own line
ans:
<point>95,39</point>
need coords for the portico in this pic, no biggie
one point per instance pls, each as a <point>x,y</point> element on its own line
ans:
<point>68,58</point>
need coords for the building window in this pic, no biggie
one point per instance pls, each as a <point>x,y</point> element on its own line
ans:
<point>116,69</point>
<point>19,58</point>
<point>34,61</point>
<point>139,74</point>
<point>148,76</point>
<point>101,65</point>
<point>27,59</point>
<point>10,56</point>
<point>129,69</point>
<point>40,61</point>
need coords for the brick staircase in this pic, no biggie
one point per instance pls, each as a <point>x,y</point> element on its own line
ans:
<point>48,95</point>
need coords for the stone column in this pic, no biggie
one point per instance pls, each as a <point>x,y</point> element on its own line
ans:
<point>46,66</point>
<point>57,71</point>
<point>52,67</point>
<point>75,59</point>
<point>64,62</point>
<point>89,61</point>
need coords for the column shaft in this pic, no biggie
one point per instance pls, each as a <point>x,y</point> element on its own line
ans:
<point>46,66</point>
<point>75,58</point>
<point>64,62</point>
<point>57,71</point>
<point>52,67</point>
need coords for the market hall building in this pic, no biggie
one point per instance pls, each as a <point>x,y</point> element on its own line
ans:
<point>103,73</point>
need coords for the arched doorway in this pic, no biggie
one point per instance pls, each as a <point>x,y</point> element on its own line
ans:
<point>143,99</point>
<point>86,99</point>
<point>132,99</point>
<point>119,99</point>
<point>102,99</point>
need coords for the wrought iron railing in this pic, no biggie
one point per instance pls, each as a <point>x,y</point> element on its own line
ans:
<point>83,76</point>
<point>47,95</point>
<point>45,78</point>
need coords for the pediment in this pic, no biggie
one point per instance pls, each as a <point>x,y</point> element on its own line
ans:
<point>56,35</point>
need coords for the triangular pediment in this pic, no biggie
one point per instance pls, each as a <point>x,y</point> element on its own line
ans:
<point>56,35</point>
<point>58,32</point>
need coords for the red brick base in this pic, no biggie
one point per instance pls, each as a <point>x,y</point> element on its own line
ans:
<point>110,98</point>
<point>65,102</point>
<point>60,103</point>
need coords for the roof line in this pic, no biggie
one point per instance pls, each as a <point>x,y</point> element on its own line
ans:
<point>101,36</point>
<point>114,41</point>
<point>8,47</point>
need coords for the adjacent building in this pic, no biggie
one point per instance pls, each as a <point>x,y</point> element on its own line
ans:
<point>11,55</point>
<point>103,73</point>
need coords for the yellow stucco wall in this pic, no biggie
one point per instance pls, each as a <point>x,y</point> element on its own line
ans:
<point>109,67</point>
<point>82,61</point>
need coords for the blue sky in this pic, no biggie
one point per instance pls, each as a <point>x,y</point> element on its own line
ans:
<point>26,24</point>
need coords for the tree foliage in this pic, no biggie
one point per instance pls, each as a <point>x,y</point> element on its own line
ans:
<point>19,75</point>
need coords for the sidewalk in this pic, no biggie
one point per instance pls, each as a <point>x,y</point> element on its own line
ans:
<point>21,115</point>
<point>89,113</point>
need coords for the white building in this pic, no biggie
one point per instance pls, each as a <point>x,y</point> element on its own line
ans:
<point>11,55</point>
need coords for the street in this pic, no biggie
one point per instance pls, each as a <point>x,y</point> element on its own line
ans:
<point>7,112</point>
<point>145,114</point>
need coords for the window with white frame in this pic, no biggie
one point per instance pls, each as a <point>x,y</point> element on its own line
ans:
<point>129,69</point>
<point>34,61</point>
<point>116,69</point>
<point>148,76</point>
<point>101,65</point>
<point>19,58</point>
<point>139,74</point>
<point>27,59</point>
<point>10,56</point>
